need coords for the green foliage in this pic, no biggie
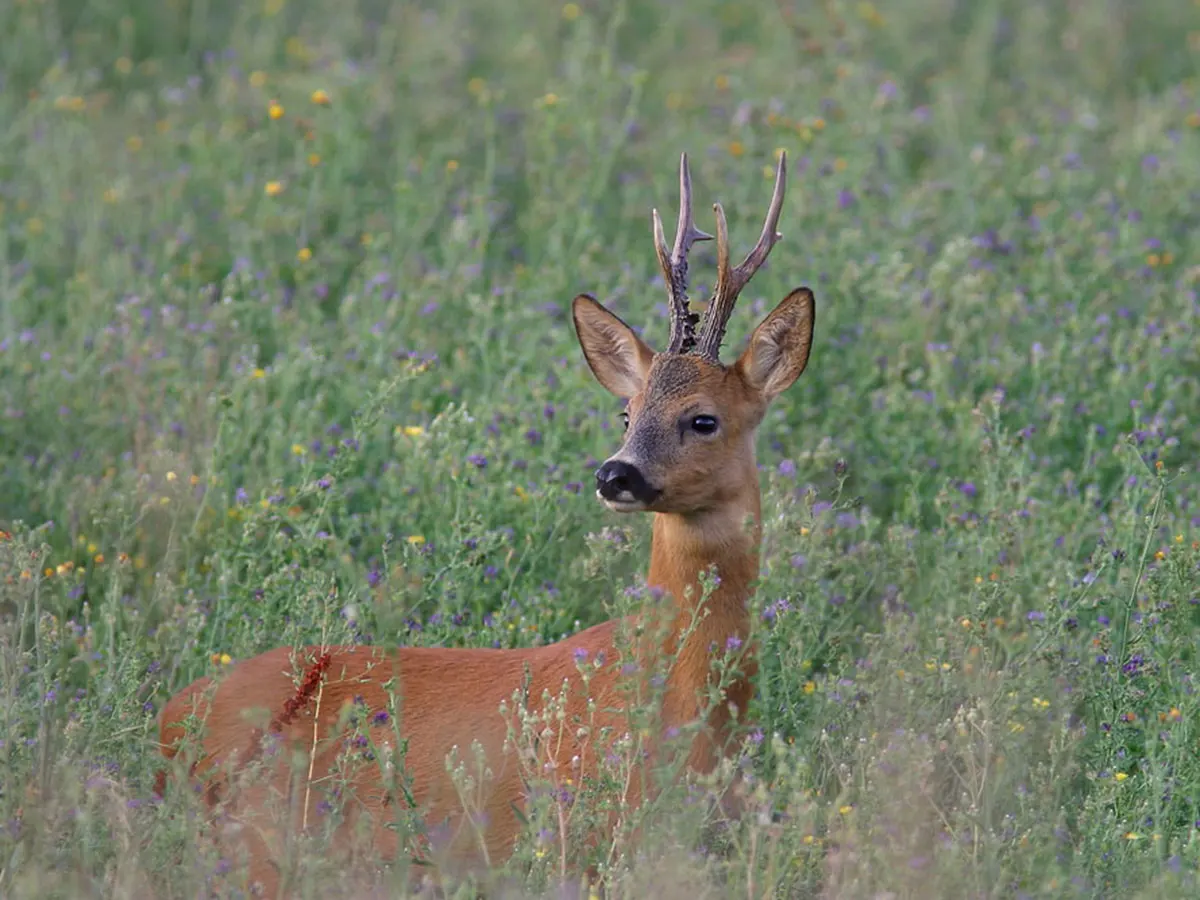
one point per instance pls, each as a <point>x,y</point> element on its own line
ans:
<point>285,356</point>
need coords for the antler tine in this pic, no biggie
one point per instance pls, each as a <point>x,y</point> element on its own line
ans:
<point>722,249</point>
<point>730,283</point>
<point>686,232</point>
<point>674,264</point>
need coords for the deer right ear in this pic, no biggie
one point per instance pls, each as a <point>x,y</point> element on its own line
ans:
<point>618,358</point>
<point>779,348</point>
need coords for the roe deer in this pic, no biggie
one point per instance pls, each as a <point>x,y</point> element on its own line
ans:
<point>687,457</point>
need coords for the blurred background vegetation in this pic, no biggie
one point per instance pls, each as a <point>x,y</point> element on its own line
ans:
<point>285,355</point>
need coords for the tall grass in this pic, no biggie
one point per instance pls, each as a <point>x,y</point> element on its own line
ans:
<point>284,356</point>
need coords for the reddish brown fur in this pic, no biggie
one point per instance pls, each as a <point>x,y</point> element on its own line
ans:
<point>452,697</point>
<point>706,514</point>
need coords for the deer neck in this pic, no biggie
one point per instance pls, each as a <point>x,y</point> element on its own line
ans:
<point>685,546</point>
<point>724,539</point>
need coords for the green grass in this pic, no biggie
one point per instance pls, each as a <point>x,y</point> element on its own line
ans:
<point>244,361</point>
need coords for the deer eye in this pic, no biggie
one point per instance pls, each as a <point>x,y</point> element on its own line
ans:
<point>704,424</point>
<point>625,419</point>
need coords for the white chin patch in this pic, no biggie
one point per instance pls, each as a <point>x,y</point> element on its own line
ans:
<point>624,503</point>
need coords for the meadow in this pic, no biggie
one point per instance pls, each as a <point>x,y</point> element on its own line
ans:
<point>286,355</point>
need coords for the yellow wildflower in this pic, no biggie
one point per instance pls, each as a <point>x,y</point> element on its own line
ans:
<point>71,104</point>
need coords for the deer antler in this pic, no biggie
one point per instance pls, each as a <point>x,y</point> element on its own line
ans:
<point>730,283</point>
<point>674,265</point>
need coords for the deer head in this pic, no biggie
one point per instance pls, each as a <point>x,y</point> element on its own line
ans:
<point>690,421</point>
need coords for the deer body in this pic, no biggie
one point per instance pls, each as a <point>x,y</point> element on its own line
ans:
<point>688,458</point>
<point>452,697</point>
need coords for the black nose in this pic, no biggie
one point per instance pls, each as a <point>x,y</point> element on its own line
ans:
<point>617,480</point>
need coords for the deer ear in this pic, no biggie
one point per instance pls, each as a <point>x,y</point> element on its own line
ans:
<point>618,358</point>
<point>779,348</point>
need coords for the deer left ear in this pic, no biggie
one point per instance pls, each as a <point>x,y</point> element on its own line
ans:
<point>618,358</point>
<point>779,348</point>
